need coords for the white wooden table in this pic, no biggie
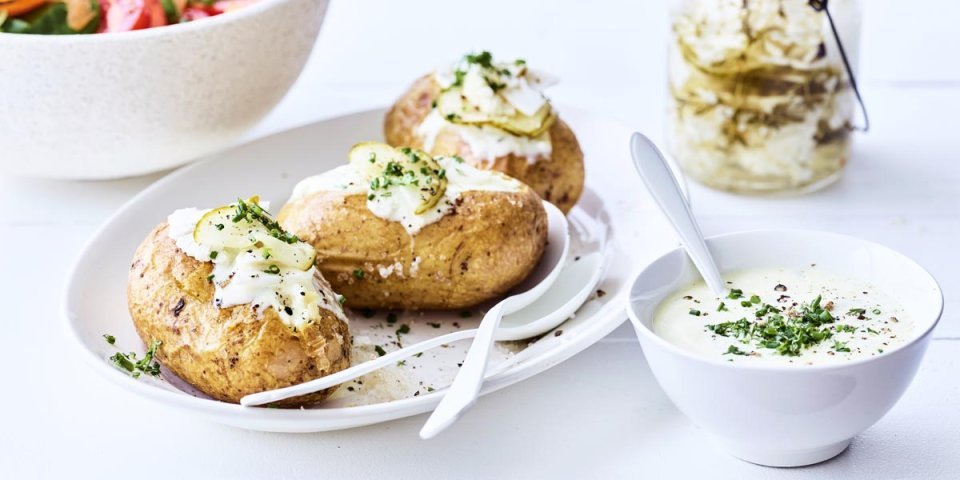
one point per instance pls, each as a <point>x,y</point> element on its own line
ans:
<point>598,415</point>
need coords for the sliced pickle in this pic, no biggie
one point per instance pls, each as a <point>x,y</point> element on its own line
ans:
<point>370,159</point>
<point>297,255</point>
<point>455,109</point>
<point>373,161</point>
<point>435,187</point>
<point>217,228</point>
<point>529,126</point>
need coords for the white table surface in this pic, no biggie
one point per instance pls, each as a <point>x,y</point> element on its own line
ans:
<point>597,415</point>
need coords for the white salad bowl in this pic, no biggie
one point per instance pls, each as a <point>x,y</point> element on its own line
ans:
<point>120,104</point>
<point>787,415</point>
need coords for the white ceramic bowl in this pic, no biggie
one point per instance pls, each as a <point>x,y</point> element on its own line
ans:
<point>787,415</point>
<point>122,104</point>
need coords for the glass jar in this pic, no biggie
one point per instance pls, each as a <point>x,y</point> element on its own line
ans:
<point>760,99</point>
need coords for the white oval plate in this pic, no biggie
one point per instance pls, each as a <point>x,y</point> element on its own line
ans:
<point>615,218</point>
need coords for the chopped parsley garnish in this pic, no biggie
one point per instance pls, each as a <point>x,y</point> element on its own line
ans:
<point>484,59</point>
<point>746,303</point>
<point>840,346</point>
<point>788,333</point>
<point>213,254</point>
<point>272,269</point>
<point>358,274</point>
<point>251,211</point>
<point>404,329</point>
<point>846,328</point>
<point>856,311</point>
<point>401,363</point>
<point>755,299</point>
<point>133,366</point>
<point>341,299</point>
<point>380,351</point>
<point>733,350</point>
<point>735,294</point>
<point>210,278</point>
<point>110,338</point>
<point>722,307</point>
<point>694,312</point>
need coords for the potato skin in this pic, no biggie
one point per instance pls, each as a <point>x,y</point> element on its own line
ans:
<point>558,179</point>
<point>487,245</point>
<point>231,352</point>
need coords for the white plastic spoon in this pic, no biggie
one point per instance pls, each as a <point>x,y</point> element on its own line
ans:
<point>574,284</point>
<point>665,190</point>
<point>463,392</point>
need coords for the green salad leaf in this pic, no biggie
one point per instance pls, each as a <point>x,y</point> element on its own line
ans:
<point>50,20</point>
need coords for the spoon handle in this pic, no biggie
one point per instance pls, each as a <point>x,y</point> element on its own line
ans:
<point>463,392</point>
<point>665,189</point>
<point>353,372</point>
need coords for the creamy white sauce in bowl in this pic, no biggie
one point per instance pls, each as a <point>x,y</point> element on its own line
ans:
<point>761,406</point>
<point>762,317</point>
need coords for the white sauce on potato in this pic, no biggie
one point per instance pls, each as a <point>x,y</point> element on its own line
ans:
<point>241,276</point>
<point>518,90</point>
<point>486,142</point>
<point>402,202</point>
<point>865,320</point>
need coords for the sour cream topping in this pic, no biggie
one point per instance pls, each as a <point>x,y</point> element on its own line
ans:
<point>399,203</point>
<point>486,142</point>
<point>859,320</point>
<point>252,276</point>
<point>492,90</point>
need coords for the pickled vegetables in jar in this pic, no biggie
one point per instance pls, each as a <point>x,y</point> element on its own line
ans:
<point>760,97</point>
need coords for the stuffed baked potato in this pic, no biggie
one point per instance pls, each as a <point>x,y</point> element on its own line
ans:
<point>236,305</point>
<point>494,116</point>
<point>399,229</point>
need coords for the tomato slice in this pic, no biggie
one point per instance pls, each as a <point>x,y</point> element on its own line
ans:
<point>19,7</point>
<point>124,15</point>
<point>192,13</point>
<point>232,5</point>
<point>158,17</point>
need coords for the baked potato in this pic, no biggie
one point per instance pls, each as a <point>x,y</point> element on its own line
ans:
<point>399,229</point>
<point>229,321</point>
<point>494,117</point>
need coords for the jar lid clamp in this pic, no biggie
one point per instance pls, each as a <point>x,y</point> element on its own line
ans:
<point>821,6</point>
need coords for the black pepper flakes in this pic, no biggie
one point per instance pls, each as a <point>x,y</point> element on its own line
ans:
<point>179,307</point>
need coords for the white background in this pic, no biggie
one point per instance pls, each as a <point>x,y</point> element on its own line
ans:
<point>598,415</point>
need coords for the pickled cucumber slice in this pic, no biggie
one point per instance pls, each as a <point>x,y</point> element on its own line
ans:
<point>455,108</point>
<point>385,167</point>
<point>217,228</point>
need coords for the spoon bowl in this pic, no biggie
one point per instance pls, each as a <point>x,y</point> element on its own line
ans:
<point>463,392</point>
